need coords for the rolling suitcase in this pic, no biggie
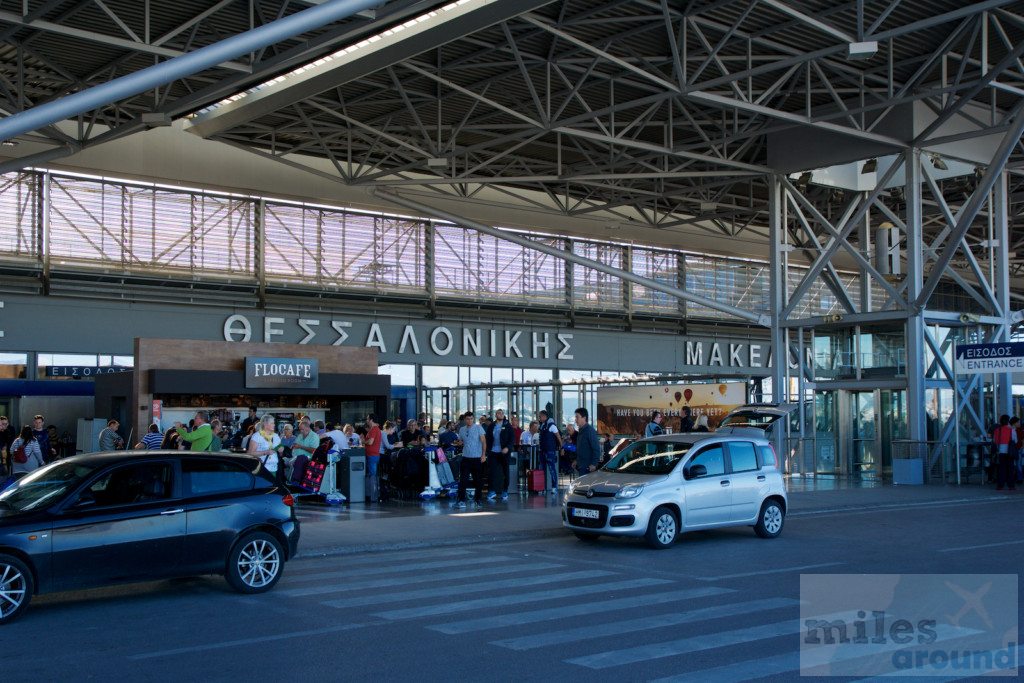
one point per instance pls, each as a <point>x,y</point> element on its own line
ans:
<point>444,473</point>
<point>535,481</point>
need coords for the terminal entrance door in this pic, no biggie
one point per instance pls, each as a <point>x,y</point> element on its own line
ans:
<point>878,417</point>
<point>864,434</point>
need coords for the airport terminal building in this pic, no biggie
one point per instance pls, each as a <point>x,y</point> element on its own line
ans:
<point>476,205</point>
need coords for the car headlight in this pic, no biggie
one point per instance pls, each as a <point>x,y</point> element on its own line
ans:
<point>630,491</point>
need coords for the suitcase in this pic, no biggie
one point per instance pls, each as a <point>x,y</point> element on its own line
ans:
<point>535,481</point>
<point>314,476</point>
<point>444,474</point>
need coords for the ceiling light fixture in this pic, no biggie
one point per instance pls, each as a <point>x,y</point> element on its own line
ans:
<point>937,162</point>
<point>865,50</point>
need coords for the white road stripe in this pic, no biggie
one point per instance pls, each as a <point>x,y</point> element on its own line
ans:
<point>707,641</point>
<point>789,662</point>
<point>741,671</point>
<point>858,509</point>
<point>456,588</point>
<point>407,580</point>
<point>392,556</point>
<point>504,600</point>
<point>250,641</point>
<point>976,547</point>
<point>576,609</point>
<point>615,628</point>
<point>784,570</point>
<point>395,568</point>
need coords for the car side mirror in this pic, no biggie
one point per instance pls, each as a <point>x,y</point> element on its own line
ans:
<point>696,471</point>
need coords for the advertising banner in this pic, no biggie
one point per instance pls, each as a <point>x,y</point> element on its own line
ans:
<point>627,410</point>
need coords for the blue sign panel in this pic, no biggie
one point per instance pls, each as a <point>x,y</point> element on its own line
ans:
<point>973,359</point>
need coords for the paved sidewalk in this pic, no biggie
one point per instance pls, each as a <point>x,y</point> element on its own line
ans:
<point>340,530</point>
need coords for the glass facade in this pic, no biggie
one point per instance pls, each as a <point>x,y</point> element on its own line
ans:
<point>73,222</point>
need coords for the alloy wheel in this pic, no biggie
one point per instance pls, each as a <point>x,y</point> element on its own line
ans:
<point>258,563</point>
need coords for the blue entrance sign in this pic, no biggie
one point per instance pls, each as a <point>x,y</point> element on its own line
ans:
<point>972,359</point>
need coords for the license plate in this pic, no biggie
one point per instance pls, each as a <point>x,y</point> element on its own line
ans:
<point>589,514</point>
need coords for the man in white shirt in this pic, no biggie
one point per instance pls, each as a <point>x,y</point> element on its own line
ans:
<point>529,437</point>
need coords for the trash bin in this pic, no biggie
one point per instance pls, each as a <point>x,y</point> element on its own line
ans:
<point>513,471</point>
<point>351,475</point>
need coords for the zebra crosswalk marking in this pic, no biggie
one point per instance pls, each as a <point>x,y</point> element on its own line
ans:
<point>504,600</point>
<point>348,572</point>
<point>645,623</point>
<point>759,667</point>
<point>406,580</point>
<point>706,641</point>
<point>460,589</point>
<point>576,610</point>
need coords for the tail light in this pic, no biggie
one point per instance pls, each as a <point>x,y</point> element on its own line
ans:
<point>774,455</point>
<point>288,500</point>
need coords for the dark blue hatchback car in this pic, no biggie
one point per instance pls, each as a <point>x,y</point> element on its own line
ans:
<point>129,516</point>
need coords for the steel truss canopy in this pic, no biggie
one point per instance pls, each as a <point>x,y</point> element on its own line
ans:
<point>663,118</point>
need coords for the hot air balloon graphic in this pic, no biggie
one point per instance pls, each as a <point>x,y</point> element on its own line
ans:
<point>721,389</point>
<point>678,396</point>
<point>688,394</point>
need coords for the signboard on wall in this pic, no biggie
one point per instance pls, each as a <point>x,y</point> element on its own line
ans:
<point>628,409</point>
<point>284,373</point>
<point>972,359</point>
<point>83,370</point>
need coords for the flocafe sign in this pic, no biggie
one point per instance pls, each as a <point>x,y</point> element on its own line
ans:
<point>281,373</point>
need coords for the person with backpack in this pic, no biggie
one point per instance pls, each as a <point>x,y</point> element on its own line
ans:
<point>1004,445</point>
<point>549,442</point>
<point>26,456</point>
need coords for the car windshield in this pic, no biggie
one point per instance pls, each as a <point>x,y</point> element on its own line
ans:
<point>648,457</point>
<point>45,486</point>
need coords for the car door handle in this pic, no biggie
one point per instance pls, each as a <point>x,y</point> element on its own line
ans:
<point>724,482</point>
<point>760,477</point>
<point>172,512</point>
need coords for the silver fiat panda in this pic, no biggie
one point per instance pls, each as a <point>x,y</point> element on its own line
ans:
<point>662,486</point>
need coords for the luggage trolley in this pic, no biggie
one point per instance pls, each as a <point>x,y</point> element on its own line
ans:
<point>440,480</point>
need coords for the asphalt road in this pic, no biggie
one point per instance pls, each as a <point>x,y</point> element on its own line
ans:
<point>718,606</point>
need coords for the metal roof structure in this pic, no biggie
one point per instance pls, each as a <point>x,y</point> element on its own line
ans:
<point>665,115</point>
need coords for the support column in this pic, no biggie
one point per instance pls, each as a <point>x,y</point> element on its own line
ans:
<point>776,286</point>
<point>917,415</point>
<point>998,201</point>
<point>777,303</point>
<point>260,237</point>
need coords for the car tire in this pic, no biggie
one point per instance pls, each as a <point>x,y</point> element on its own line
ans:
<point>662,529</point>
<point>255,563</point>
<point>586,535</point>
<point>16,588</point>
<point>770,519</point>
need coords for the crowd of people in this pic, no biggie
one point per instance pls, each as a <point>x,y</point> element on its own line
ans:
<point>30,447</point>
<point>475,441</point>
